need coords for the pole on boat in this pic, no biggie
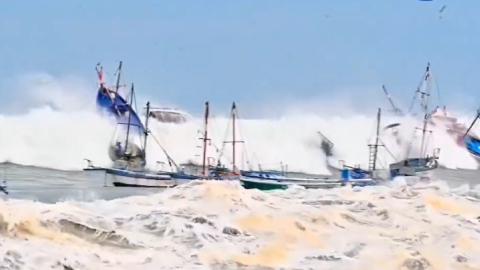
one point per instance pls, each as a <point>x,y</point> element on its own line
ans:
<point>205,139</point>
<point>117,86</point>
<point>424,129</point>
<point>146,129</point>
<point>233,141</point>
<point>129,117</point>
<point>376,138</point>
<point>374,148</point>
<point>473,123</point>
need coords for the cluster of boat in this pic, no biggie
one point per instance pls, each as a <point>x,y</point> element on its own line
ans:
<point>128,150</point>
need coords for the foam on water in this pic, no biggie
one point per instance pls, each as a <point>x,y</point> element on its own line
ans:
<point>220,225</point>
<point>56,129</point>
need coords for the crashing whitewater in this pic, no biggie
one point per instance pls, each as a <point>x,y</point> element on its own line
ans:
<point>59,127</point>
<point>220,225</point>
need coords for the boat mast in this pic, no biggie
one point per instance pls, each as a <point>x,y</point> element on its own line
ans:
<point>129,116</point>
<point>424,96</point>
<point>374,147</point>
<point>146,129</point>
<point>205,139</point>
<point>233,141</point>
<point>117,86</point>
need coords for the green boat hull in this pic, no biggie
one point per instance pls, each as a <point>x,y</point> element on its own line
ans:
<point>263,186</point>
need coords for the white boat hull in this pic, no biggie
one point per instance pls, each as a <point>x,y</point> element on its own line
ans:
<point>122,178</point>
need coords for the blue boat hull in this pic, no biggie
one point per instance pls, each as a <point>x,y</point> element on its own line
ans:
<point>118,107</point>
<point>472,145</point>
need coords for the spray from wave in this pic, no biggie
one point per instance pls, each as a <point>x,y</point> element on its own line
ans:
<point>58,126</point>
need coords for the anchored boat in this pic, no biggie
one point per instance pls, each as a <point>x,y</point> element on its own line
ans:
<point>110,101</point>
<point>471,140</point>
<point>129,155</point>
<point>441,118</point>
<point>408,167</point>
<point>267,180</point>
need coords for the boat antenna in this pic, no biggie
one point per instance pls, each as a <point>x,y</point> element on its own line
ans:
<point>473,123</point>
<point>129,117</point>
<point>205,139</point>
<point>233,113</point>
<point>374,147</point>
<point>117,86</point>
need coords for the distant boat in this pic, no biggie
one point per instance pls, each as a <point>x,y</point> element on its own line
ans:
<point>409,167</point>
<point>263,180</point>
<point>472,141</point>
<point>169,115</point>
<point>267,180</point>
<point>129,157</point>
<point>110,101</point>
<point>441,118</point>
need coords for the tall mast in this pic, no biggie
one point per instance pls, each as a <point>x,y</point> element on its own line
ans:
<point>146,128</point>
<point>129,117</point>
<point>233,141</point>
<point>205,139</point>
<point>117,86</point>
<point>374,148</point>
<point>425,96</point>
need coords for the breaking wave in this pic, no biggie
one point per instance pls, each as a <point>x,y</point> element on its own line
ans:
<point>220,225</point>
<point>58,127</point>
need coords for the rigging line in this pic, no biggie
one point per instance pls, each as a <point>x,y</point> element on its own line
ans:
<point>413,100</point>
<point>419,86</point>
<point>438,90</point>
<point>240,129</point>
<point>165,152</point>
<point>225,138</point>
<point>386,149</point>
<point>410,144</point>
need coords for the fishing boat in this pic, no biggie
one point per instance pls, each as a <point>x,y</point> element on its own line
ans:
<point>210,168</point>
<point>129,157</point>
<point>283,183</point>
<point>110,101</point>
<point>408,167</point>
<point>440,117</point>
<point>265,180</point>
<point>471,140</point>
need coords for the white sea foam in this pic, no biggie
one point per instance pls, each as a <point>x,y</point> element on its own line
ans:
<point>219,225</point>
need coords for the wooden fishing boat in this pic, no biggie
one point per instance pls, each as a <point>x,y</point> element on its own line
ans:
<point>408,167</point>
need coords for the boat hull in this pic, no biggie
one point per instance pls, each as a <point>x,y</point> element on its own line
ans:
<point>124,178</point>
<point>116,105</point>
<point>262,184</point>
<point>472,145</point>
<point>269,184</point>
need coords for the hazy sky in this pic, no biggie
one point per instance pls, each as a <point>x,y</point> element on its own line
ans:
<point>254,52</point>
